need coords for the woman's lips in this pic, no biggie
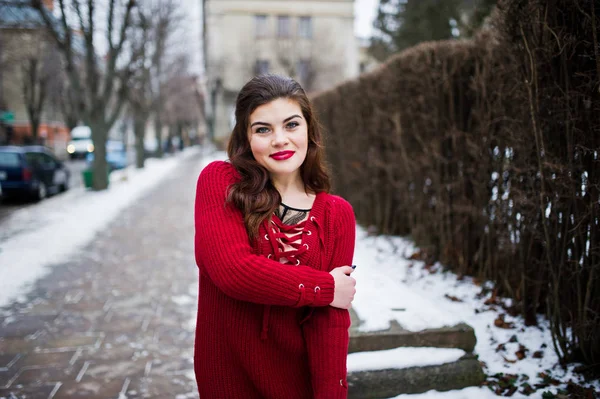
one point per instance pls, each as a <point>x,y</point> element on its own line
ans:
<point>283,155</point>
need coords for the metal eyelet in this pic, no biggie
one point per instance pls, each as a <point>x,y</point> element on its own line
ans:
<point>312,218</point>
<point>317,288</point>
<point>267,237</point>
<point>306,245</point>
<point>269,256</point>
<point>297,262</point>
<point>342,382</point>
<point>308,232</point>
<point>301,286</point>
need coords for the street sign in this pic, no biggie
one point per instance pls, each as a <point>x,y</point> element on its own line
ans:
<point>7,117</point>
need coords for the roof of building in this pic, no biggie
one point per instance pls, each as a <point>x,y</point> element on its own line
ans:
<point>20,14</point>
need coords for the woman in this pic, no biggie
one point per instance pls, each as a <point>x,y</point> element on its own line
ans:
<point>273,249</point>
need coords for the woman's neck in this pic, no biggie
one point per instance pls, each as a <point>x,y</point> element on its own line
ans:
<point>288,184</point>
<point>292,190</point>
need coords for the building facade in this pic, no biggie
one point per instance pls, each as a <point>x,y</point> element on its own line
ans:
<point>28,58</point>
<point>310,40</point>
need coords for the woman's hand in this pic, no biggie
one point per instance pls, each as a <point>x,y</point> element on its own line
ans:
<point>345,287</point>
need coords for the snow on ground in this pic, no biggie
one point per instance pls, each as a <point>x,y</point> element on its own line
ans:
<point>400,358</point>
<point>467,393</point>
<point>390,286</point>
<point>51,231</point>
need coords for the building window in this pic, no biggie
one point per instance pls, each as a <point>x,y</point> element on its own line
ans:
<point>283,26</point>
<point>261,25</point>
<point>303,71</point>
<point>305,27</point>
<point>261,67</point>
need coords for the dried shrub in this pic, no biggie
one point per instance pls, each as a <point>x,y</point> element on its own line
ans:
<point>486,152</point>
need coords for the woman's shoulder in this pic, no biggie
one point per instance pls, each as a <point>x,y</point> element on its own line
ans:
<point>219,171</point>
<point>216,178</point>
<point>338,205</point>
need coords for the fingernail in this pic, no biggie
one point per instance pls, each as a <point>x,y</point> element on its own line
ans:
<point>354,266</point>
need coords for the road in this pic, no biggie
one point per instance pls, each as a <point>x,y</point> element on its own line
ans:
<point>9,206</point>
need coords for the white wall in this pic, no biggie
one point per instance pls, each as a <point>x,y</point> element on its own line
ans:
<point>233,49</point>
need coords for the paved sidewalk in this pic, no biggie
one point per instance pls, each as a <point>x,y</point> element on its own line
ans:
<point>118,320</point>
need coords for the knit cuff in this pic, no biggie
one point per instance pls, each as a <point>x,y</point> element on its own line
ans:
<point>318,294</point>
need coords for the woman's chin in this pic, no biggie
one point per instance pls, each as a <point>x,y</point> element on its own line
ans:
<point>282,168</point>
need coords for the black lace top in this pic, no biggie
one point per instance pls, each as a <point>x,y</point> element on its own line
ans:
<point>289,215</point>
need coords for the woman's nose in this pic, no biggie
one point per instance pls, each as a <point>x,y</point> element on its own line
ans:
<point>279,138</point>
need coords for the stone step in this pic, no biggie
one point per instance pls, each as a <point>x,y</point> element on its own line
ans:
<point>460,336</point>
<point>380,384</point>
<point>386,383</point>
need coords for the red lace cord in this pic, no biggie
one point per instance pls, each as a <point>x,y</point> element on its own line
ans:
<point>286,241</point>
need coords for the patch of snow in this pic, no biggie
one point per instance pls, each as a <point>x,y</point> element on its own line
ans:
<point>183,300</point>
<point>391,286</point>
<point>467,393</point>
<point>400,358</point>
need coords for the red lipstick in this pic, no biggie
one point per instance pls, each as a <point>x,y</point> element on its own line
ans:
<point>282,155</point>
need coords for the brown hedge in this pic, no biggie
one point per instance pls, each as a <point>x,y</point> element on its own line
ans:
<point>486,152</point>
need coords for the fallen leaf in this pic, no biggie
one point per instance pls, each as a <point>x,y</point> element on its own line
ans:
<point>522,352</point>
<point>453,298</point>
<point>500,323</point>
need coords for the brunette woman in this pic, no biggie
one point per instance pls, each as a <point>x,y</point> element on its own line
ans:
<point>273,248</point>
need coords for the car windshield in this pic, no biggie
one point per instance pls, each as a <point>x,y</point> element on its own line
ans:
<point>9,159</point>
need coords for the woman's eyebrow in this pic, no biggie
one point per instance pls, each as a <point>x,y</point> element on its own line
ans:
<point>284,121</point>
<point>260,123</point>
<point>291,117</point>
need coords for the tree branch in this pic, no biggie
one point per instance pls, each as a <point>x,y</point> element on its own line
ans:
<point>114,52</point>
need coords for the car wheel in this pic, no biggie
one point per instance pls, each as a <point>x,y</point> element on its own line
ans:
<point>65,186</point>
<point>42,192</point>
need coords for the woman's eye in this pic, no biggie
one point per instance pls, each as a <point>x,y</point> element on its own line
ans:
<point>292,125</point>
<point>262,130</point>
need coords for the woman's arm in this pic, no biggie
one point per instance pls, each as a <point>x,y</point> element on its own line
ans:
<point>326,331</point>
<point>223,251</point>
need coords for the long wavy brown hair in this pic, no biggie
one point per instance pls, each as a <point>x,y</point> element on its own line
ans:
<point>255,194</point>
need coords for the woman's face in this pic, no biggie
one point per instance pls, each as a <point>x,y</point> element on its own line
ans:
<point>278,135</point>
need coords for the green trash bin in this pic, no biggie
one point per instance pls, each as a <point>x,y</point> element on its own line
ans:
<point>88,177</point>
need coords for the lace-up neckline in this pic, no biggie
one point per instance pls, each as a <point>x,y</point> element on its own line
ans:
<point>285,234</point>
<point>289,215</point>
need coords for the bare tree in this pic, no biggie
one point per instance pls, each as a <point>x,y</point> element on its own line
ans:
<point>165,19</point>
<point>154,24</point>
<point>29,57</point>
<point>40,77</point>
<point>99,86</point>
<point>183,103</point>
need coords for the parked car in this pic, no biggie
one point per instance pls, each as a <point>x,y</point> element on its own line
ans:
<point>32,171</point>
<point>81,142</point>
<point>116,156</point>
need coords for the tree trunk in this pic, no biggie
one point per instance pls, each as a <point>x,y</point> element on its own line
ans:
<point>35,126</point>
<point>158,134</point>
<point>99,166</point>
<point>139,129</point>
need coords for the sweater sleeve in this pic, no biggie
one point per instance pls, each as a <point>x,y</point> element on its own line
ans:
<point>326,332</point>
<point>223,252</point>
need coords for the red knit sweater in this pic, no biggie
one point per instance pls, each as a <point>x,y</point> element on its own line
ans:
<point>265,330</point>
